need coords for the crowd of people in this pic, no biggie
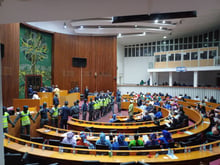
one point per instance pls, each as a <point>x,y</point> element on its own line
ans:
<point>103,103</point>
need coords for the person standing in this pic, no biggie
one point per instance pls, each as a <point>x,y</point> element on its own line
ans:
<point>44,117</point>
<point>57,91</point>
<point>65,112</point>
<point>6,120</point>
<point>118,100</point>
<point>91,109</point>
<point>56,100</point>
<point>131,109</point>
<point>74,111</point>
<point>25,117</point>
<point>86,92</point>
<point>84,109</point>
<point>30,92</point>
<point>54,113</point>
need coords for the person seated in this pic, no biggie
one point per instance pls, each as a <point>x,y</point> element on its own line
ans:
<point>167,105</point>
<point>158,115</point>
<point>69,139</point>
<point>157,103</point>
<point>215,130</point>
<point>113,119</point>
<point>152,141</point>
<point>166,138</point>
<point>120,142</point>
<point>136,142</point>
<point>84,142</point>
<point>212,100</point>
<point>104,141</point>
<point>149,107</point>
<point>197,98</point>
<point>146,117</point>
<point>35,95</point>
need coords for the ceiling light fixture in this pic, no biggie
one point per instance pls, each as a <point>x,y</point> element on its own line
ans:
<point>135,26</point>
<point>164,21</point>
<point>160,27</point>
<point>81,27</point>
<point>119,35</point>
<point>156,21</point>
<point>164,37</point>
<point>64,25</point>
<point>144,33</point>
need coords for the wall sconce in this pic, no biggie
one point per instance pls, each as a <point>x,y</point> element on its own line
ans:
<point>95,74</point>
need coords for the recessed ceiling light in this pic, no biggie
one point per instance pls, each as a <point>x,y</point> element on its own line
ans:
<point>64,25</point>
<point>164,21</point>
<point>119,35</point>
<point>135,26</point>
<point>144,33</point>
<point>160,27</point>
<point>164,37</point>
<point>81,27</point>
<point>156,21</point>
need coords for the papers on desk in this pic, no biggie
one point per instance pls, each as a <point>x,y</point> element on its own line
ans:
<point>47,130</point>
<point>167,124</point>
<point>172,156</point>
<point>64,134</point>
<point>188,132</point>
<point>91,137</point>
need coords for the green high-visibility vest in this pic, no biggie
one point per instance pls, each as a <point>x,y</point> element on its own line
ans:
<point>5,120</point>
<point>25,118</point>
<point>55,112</point>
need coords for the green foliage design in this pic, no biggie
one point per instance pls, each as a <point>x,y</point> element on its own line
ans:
<point>34,48</point>
<point>35,56</point>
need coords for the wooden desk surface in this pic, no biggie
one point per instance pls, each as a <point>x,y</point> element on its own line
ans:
<point>162,158</point>
<point>175,134</point>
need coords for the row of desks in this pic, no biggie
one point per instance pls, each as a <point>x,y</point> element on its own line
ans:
<point>151,156</point>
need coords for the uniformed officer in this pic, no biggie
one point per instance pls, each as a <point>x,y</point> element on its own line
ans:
<point>25,117</point>
<point>6,120</point>
<point>91,110</point>
<point>54,113</point>
<point>44,117</point>
<point>74,111</point>
<point>84,109</point>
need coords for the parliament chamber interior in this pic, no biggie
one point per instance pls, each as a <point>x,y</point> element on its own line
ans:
<point>114,82</point>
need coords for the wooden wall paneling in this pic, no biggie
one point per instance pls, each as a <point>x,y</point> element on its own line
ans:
<point>9,36</point>
<point>100,53</point>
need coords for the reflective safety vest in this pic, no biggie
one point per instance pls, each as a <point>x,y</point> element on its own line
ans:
<point>55,112</point>
<point>25,118</point>
<point>105,102</point>
<point>98,104</point>
<point>102,102</point>
<point>5,120</point>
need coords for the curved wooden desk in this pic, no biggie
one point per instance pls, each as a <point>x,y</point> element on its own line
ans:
<point>178,134</point>
<point>80,125</point>
<point>71,155</point>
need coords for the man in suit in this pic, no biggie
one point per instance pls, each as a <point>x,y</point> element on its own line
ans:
<point>65,112</point>
<point>86,92</point>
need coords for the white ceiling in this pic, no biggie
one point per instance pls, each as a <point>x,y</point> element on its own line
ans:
<point>51,15</point>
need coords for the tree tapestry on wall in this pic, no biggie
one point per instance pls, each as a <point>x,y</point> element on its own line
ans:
<point>35,56</point>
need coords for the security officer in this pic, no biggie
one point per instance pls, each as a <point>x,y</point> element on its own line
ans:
<point>54,113</point>
<point>25,117</point>
<point>74,111</point>
<point>84,109</point>
<point>91,110</point>
<point>44,117</point>
<point>64,113</point>
<point>6,120</point>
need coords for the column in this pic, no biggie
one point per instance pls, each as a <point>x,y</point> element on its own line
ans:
<point>151,78</point>
<point>195,79</point>
<point>1,126</point>
<point>170,79</point>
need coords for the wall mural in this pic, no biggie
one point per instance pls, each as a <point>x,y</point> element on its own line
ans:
<point>35,56</point>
